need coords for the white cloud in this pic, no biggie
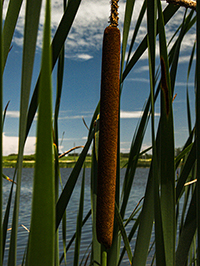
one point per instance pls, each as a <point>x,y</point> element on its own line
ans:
<point>13,114</point>
<point>125,147</point>
<point>123,114</point>
<point>10,145</point>
<point>71,117</point>
<point>185,59</point>
<point>133,114</point>
<point>84,56</point>
<point>130,114</point>
<point>64,116</point>
<point>16,114</point>
<point>183,84</point>
<point>145,80</point>
<point>87,31</point>
<point>141,69</point>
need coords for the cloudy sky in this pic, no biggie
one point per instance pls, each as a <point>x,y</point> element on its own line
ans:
<point>81,87</point>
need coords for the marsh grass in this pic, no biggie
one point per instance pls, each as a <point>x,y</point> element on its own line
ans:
<point>176,240</point>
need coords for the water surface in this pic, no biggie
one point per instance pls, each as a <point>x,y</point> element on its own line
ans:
<point>137,192</point>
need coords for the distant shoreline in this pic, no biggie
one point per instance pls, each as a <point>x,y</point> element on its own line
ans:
<point>65,162</point>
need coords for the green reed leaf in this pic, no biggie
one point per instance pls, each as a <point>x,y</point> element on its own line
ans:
<point>1,130</point>
<point>197,109</point>
<point>42,233</point>
<point>130,236</point>
<point>57,44</point>
<point>6,217</point>
<point>133,157</point>
<point>74,235</point>
<point>187,93</point>
<point>175,51</point>
<point>145,224</point>
<point>9,25</point>
<point>127,21</point>
<point>30,36</point>
<point>60,73</point>
<point>187,233</point>
<point>96,246</point>
<point>137,27</point>
<point>188,112</point>
<point>68,189</point>
<point>123,233</point>
<point>167,13</point>
<point>188,165</point>
<point>79,223</point>
<point>167,150</point>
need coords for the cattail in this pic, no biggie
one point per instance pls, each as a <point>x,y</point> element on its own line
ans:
<point>108,134</point>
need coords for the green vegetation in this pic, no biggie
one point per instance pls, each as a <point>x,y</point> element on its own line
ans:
<point>170,210</point>
<point>69,161</point>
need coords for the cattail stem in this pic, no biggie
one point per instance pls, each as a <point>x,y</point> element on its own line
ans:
<point>104,258</point>
<point>108,135</point>
<point>114,13</point>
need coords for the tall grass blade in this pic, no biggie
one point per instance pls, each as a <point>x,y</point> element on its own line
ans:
<point>57,44</point>
<point>1,130</point>
<point>126,28</point>
<point>4,113</point>
<point>74,235</point>
<point>188,112</point>
<point>188,165</point>
<point>79,223</point>
<point>123,233</point>
<point>151,40</point>
<point>42,233</point>
<point>133,157</point>
<point>147,213</point>
<point>187,233</point>
<point>9,25</point>
<point>145,225</point>
<point>137,26</point>
<point>69,186</point>
<point>182,154</point>
<point>57,177</point>
<point>175,51</point>
<point>167,150</point>
<point>198,128</point>
<point>130,236</point>
<point>185,26</point>
<point>187,93</point>
<point>60,73</point>
<point>30,36</point>
<point>6,218</point>
<point>96,247</point>
<point>169,11</point>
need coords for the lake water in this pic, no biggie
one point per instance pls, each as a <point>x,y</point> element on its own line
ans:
<point>25,207</point>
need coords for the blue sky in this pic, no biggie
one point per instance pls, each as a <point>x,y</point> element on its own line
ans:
<point>81,87</point>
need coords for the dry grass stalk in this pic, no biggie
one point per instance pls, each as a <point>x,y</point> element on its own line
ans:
<point>186,3</point>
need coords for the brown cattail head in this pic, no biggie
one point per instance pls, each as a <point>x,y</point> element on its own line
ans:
<point>108,135</point>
